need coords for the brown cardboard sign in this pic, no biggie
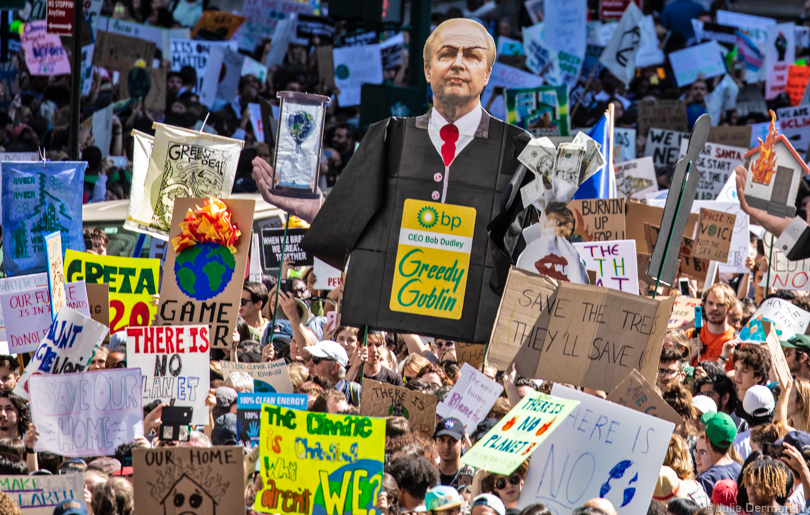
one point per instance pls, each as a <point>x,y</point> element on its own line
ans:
<point>597,336</point>
<point>472,353</point>
<point>205,285</point>
<point>638,394</point>
<point>643,264</point>
<point>188,479</point>
<point>326,66</point>
<point>156,98</point>
<point>662,114</point>
<point>713,237</point>
<point>118,52</point>
<point>689,265</point>
<point>98,296</point>
<point>223,24</point>
<point>517,324</point>
<point>637,214</point>
<point>598,219</point>
<point>386,400</point>
<point>731,135</point>
<point>778,360</point>
<point>683,313</point>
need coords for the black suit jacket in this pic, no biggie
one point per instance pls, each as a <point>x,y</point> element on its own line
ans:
<point>362,216</point>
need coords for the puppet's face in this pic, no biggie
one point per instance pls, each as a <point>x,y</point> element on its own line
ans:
<point>458,68</point>
<point>187,498</point>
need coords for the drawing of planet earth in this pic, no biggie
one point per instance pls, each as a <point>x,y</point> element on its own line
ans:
<point>203,271</point>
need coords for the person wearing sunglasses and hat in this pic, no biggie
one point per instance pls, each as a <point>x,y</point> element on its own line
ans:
<point>797,355</point>
<point>507,488</point>
<point>443,500</point>
<point>328,360</point>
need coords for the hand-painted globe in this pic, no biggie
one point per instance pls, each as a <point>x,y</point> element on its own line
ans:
<point>204,270</point>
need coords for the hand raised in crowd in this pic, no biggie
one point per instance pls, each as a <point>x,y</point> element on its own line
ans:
<point>268,353</point>
<point>211,399</point>
<point>772,223</point>
<point>152,421</point>
<point>31,436</point>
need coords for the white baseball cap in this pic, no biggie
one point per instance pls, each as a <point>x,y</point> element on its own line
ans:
<point>759,401</point>
<point>491,501</point>
<point>704,404</point>
<point>329,350</point>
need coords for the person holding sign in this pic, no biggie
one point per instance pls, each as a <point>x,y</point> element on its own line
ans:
<point>437,181</point>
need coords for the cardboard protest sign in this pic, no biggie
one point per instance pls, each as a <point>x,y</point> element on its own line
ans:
<point>713,238</point>
<point>624,141</point>
<point>662,114</point>
<point>155,89</point>
<point>355,66</point>
<point>326,66</point>
<point>207,277</point>
<point>86,413</point>
<point>543,110</point>
<point>159,36</point>
<point>56,272</point>
<point>173,361</point>
<point>217,25</point>
<point>38,495</point>
<point>39,198</point>
<point>68,347</point>
<point>786,319</point>
<point>541,59</point>
<point>119,52</point>
<point>272,242</point>
<point>785,274</point>
<point>76,298</point>
<point>249,411</point>
<point>596,336</point>
<point>175,152</point>
<point>636,178</point>
<point>132,282</point>
<point>716,163</point>
<point>471,398</point>
<point>196,55</point>
<point>269,377</point>
<point>566,34</point>
<point>663,146</point>
<point>19,284</point>
<point>795,124</point>
<point>309,27</point>
<point>683,312</point>
<point>98,301</point>
<point>386,400</point>
<point>687,263</point>
<point>797,83</point>
<point>598,219</point>
<point>614,263</point>
<point>731,135</point>
<point>778,359</point>
<point>44,53</point>
<point>309,482</point>
<point>596,453</point>
<point>472,353</point>
<point>513,439</point>
<point>638,394</point>
<point>188,480</point>
<point>507,77</point>
<point>262,18</point>
<point>518,324</point>
<point>780,52</point>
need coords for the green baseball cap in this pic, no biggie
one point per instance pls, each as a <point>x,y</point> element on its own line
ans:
<point>798,341</point>
<point>720,429</point>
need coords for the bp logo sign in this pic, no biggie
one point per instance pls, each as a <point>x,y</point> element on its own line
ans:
<point>427,217</point>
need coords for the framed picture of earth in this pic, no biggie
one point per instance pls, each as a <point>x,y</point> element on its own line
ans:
<point>202,284</point>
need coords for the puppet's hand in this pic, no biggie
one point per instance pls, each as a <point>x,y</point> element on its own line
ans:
<point>772,223</point>
<point>306,209</point>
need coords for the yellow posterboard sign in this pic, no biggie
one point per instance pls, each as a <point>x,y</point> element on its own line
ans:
<point>319,463</point>
<point>433,259</point>
<point>132,283</point>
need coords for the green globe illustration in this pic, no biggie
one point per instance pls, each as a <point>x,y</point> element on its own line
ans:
<point>204,270</point>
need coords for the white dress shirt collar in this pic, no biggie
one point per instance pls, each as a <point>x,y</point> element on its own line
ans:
<point>467,125</point>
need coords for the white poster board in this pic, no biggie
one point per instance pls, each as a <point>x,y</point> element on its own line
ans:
<point>786,318</point>
<point>470,399</point>
<point>17,284</point>
<point>355,66</point>
<point>780,53</point>
<point>795,124</point>
<point>716,163</point>
<point>601,450</point>
<point>625,140</point>
<point>614,262</point>
<point>704,60</point>
<point>507,77</point>
<point>636,177</point>
<point>30,492</point>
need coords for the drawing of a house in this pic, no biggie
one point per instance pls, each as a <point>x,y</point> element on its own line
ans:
<point>187,497</point>
<point>774,171</point>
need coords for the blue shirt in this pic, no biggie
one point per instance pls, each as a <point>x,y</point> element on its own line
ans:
<point>678,15</point>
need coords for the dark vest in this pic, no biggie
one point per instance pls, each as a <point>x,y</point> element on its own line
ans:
<point>396,162</point>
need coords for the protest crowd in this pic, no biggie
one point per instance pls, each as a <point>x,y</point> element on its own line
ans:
<point>568,274</point>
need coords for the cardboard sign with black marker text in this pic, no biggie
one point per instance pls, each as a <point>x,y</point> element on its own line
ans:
<point>386,400</point>
<point>637,393</point>
<point>598,219</point>
<point>714,233</point>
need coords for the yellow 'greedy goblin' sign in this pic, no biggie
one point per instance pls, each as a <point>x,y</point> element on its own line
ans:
<point>433,259</point>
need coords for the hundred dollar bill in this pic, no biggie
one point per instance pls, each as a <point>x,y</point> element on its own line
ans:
<point>593,159</point>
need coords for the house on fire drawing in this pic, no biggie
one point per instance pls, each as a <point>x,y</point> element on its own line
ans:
<point>774,171</point>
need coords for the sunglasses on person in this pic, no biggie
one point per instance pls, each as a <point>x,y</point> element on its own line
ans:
<point>500,484</point>
<point>244,302</point>
<point>442,344</point>
<point>317,360</point>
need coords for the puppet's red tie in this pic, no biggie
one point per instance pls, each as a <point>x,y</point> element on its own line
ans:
<point>449,135</point>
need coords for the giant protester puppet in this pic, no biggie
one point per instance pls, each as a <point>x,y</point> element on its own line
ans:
<point>428,209</point>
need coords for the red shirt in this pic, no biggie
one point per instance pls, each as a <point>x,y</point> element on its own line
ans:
<point>712,343</point>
